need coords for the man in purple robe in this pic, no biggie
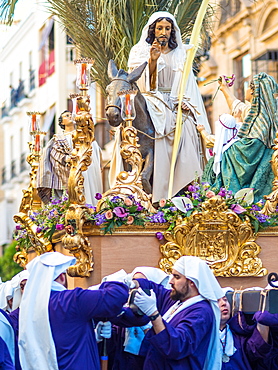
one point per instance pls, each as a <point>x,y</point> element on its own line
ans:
<point>185,320</point>
<point>56,328</point>
<point>248,347</point>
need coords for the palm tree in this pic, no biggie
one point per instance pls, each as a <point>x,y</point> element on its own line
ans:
<point>107,29</point>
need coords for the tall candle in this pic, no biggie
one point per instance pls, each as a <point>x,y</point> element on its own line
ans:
<point>127,105</point>
<point>33,125</point>
<point>83,73</point>
<point>37,143</point>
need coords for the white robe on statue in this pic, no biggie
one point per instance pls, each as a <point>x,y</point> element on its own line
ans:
<point>169,75</point>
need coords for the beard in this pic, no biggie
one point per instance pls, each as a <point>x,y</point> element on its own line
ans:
<point>180,295</point>
<point>162,40</point>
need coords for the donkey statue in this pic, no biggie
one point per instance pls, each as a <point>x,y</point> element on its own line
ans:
<point>121,80</point>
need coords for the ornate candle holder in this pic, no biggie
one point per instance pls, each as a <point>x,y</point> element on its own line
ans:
<point>83,80</point>
<point>30,200</point>
<point>129,182</point>
<point>75,240</point>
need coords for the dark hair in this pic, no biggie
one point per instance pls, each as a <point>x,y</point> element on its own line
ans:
<point>60,119</point>
<point>172,43</point>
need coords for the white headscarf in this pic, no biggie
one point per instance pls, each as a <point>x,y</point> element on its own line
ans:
<point>152,273</point>
<point>196,270</point>
<point>6,292</point>
<point>15,282</point>
<point>36,345</point>
<point>225,135</point>
<point>140,53</point>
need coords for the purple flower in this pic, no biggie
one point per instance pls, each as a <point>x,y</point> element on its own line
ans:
<point>139,208</point>
<point>159,235</point>
<point>254,207</point>
<point>172,209</point>
<point>191,188</point>
<point>18,227</point>
<point>115,199</point>
<point>237,208</point>
<point>100,219</point>
<point>158,218</point>
<point>262,218</point>
<point>39,229</point>
<point>60,227</point>
<point>98,196</point>
<point>222,192</point>
<point>120,212</point>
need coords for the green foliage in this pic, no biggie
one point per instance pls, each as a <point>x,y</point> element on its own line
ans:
<point>8,268</point>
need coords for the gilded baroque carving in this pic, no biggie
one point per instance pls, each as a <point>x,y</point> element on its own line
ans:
<point>75,241</point>
<point>129,182</point>
<point>218,236</point>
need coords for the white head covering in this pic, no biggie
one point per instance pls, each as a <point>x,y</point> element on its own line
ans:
<point>15,282</point>
<point>275,283</point>
<point>36,345</point>
<point>196,270</point>
<point>226,290</point>
<point>6,292</point>
<point>225,135</point>
<point>152,273</point>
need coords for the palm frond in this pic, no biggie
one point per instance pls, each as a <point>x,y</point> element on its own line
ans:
<point>7,8</point>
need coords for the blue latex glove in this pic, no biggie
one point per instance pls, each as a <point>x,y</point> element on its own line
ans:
<point>103,330</point>
<point>146,303</point>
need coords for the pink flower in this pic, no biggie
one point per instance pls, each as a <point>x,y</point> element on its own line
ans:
<point>237,208</point>
<point>120,212</point>
<point>109,215</point>
<point>162,202</point>
<point>210,194</point>
<point>128,202</point>
<point>130,220</point>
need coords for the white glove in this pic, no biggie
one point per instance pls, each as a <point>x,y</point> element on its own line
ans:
<point>119,276</point>
<point>146,303</point>
<point>103,330</point>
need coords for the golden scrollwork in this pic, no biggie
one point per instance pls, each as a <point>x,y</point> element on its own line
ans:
<point>272,199</point>
<point>218,236</point>
<point>76,242</point>
<point>37,239</point>
<point>31,200</point>
<point>82,151</point>
<point>129,182</point>
<point>20,257</point>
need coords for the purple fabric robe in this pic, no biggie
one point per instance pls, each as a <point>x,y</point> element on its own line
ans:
<point>264,355</point>
<point>5,358</point>
<point>14,321</point>
<point>71,313</point>
<point>184,342</point>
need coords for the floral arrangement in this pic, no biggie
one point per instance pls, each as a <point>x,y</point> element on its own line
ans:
<point>242,203</point>
<point>48,219</point>
<point>126,210</point>
<point>118,211</point>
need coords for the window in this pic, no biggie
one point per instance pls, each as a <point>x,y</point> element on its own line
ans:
<point>229,8</point>
<point>268,63</point>
<point>243,72</point>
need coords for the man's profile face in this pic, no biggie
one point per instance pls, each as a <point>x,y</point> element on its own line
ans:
<point>180,287</point>
<point>22,285</point>
<point>162,31</point>
<point>225,309</point>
